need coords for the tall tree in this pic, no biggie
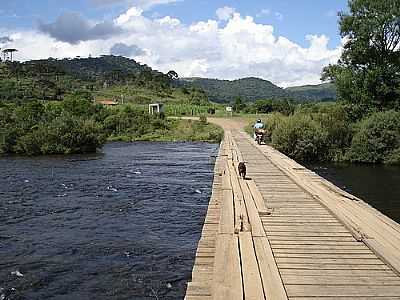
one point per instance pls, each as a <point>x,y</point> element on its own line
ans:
<point>368,71</point>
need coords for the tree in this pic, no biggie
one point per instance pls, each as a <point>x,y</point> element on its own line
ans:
<point>263,106</point>
<point>173,75</point>
<point>368,72</point>
<point>238,105</point>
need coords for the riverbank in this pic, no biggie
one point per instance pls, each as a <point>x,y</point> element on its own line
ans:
<point>331,133</point>
<point>179,130</point>
<point>76,126</point>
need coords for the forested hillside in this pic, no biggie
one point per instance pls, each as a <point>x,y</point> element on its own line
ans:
<point>253,89</point>
<point>106,76</point>
<point>112,76</point>
<point>319,92</point>
<point>226,91</point>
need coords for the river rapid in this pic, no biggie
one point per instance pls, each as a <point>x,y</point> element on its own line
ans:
<point>121,224</point>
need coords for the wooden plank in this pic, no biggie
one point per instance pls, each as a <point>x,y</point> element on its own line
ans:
<point>341,280</point>
<point>342,291</point>
<point>227,279</point>
<point>257,229</point>
<point>291,222</point>
<point>226,181</point>
<point>227,213</point>
<point>252,284</point>
<point>318,245</point>
<point>193,297</point>
<point>355,256</point>
<point>345,298</point>
<point>322,266</point>
<point>389,255</point>
<point>297,217</point>
<point>198,289</point>
<point>322,235</point>
<point>338,273</point>
<point>317,242</point>
<point>258,198</point>
<point>272,282</point>
<point>336,261</point>
<point>306,228</point>
<point>297,250</point>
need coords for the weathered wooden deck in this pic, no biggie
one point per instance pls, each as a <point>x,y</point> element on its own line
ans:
<point>286,233</point>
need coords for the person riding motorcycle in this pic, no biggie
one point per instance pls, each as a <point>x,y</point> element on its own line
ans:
<point>258,125</point>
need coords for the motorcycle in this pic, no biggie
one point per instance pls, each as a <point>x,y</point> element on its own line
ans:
<point>260,133</point>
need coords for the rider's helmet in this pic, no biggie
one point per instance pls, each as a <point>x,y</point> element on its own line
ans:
<point>259,121</point>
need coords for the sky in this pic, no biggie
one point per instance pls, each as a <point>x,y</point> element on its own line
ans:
<point>287,42</point>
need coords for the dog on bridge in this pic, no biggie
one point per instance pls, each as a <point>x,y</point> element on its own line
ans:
<point>242,169</point>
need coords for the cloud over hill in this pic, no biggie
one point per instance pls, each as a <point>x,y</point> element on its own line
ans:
<point>230,46</point>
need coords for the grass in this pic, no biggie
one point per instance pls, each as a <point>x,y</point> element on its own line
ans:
<point>179,131</point>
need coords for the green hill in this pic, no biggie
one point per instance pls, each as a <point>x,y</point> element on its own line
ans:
<point>225,91</point>
<point>320,92</point>
<point>111,77</point>
<point>118,78</point>
<point>252,89</point>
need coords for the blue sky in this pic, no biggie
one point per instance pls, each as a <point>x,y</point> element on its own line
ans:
<point>310,26</point>
<point>299,17</point>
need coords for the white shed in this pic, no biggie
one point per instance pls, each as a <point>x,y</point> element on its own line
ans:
<point>156,108</point>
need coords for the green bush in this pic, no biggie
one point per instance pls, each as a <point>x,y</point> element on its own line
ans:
<point>301,138</point>
<point>55,128</point>
<point>203,119</point>
<point>271,122</point>
<point>377,139</point>
<point>334,121</point>
<point>65,135</point>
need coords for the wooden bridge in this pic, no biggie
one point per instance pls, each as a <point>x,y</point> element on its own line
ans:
<point>286,233</point>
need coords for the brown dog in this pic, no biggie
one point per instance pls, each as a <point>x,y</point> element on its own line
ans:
<point>242,170</point>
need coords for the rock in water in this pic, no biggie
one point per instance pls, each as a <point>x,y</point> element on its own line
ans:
<point>17,273</point>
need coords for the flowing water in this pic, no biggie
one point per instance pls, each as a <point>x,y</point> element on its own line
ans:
<point>122,224</point>
<point>377,185</point>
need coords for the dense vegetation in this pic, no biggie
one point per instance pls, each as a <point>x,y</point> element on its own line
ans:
<point>225,91</point>
<point>364,126</point>
<point>77,125</point>
<point>52,79</point>
<point>107,77</point>
<point>319,92</point>
<point>48,106</point>
<point>368,72</point>
<point>252,89</point>
<point>328,133</point>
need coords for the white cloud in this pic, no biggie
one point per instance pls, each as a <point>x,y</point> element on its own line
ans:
<point>225,13</point>
<point>263,12</point>
<point>130,13</point>
<point>168,21</point>
<point>241,47</point>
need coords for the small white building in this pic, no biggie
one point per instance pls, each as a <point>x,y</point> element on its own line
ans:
<point>156,108</point>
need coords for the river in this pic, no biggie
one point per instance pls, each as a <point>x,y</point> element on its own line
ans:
<point>378,185</point>
<point>121,224</point>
